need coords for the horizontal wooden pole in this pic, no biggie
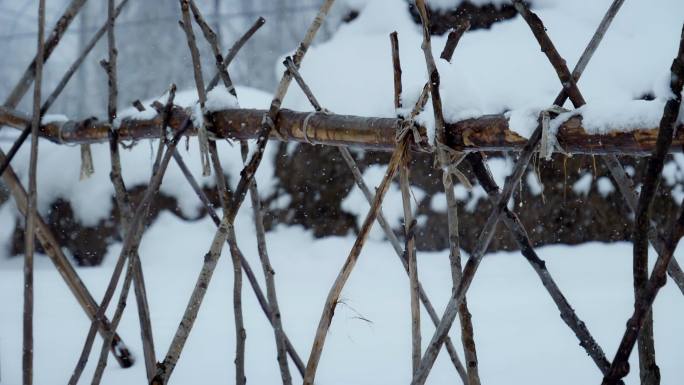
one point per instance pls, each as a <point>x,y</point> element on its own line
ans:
<point>487,133</point>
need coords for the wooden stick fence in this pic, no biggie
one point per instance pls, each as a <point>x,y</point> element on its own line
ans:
<point>454,143</point>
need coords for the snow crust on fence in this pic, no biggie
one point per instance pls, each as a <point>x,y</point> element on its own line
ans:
<point>502,70</point>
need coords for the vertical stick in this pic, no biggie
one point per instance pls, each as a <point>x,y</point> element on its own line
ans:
<point>467,333</point>
<point>29,235</point>
<point>409,223</point>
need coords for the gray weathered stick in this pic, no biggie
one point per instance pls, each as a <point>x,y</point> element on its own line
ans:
<point>29,234</point>
<point>467,333</point>
<point>409,223</point>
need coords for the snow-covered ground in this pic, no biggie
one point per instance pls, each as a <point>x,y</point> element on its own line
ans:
<point>520,336</point>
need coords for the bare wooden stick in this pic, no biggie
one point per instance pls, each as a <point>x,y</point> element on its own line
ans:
<point>58,89</point>
<point>232,52</point>
<point>409,223</point>
<point>134,272</point>
<point>488,231</point>
<point>558,63</point>
<point>646,290</point>
<point>29,234</point>
<point>335,291</point>
<point>55,37</point>
<point>251,277</point>
<point>221,185</point>
<point>467,332</point>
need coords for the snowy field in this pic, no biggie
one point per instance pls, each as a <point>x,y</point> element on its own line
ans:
<point>519,334</point>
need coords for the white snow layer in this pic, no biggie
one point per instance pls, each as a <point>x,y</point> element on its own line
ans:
<point>502,69</point>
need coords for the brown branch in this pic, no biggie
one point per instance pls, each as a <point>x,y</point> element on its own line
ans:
<point>29,234</point>
<point>539,31</point>
<point>396,65</point>
<point>232,52</point>
<point>487,233</point>
<point>489,133</point>
<point>409,235</point>
<point>453,39</point>
<point>646,290</point>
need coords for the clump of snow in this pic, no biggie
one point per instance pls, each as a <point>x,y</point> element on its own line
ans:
<point>532,179</point>
<point>605,186</point>
<point>523,121</point>
<point>583,185</point>
<point>220,99</point>
<point>355,202</point>
<point>53,118</point>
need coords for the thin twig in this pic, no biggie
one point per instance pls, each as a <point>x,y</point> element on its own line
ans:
<point>488,231</point>
<point>29,235</point>
<point>467,332</point>
<point>409,223</point>
<point>645,291</point>
<point>134,271</point>
<point>232,52</point>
